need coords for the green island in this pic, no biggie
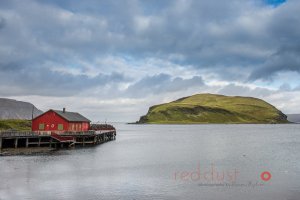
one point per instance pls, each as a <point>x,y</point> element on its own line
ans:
<point>212,108</point>
<point>15,124</point>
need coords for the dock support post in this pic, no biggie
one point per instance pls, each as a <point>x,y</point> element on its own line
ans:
<point>0,143</point>
<point>16,143</point>
<point>39,143</point>
<point>27,142</point>
<point>50,143</point>
<point>83,141</point>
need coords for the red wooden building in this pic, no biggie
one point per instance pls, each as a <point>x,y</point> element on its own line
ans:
<point>56,120</point>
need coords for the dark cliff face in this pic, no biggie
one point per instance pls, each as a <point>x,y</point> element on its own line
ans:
<point>282,117</point>
<point>12,109</point>
<point>143,120</point>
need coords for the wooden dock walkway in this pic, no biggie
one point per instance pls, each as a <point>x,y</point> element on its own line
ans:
<point>21,139</point>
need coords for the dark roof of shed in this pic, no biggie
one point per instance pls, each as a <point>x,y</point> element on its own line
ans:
<point>71,116</point>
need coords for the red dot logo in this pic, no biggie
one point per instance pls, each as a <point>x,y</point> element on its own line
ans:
<point>265,176</point>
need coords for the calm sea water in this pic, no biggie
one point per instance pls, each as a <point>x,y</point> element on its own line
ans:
<point>165,162</point>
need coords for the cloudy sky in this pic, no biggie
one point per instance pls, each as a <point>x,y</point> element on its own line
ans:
<point>111,60</point>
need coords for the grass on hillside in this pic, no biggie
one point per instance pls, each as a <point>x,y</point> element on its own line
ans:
<point>15,124</point>
<point>210,108</point>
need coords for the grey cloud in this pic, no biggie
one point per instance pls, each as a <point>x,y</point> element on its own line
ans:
<point>44,82</point>
<point>285,59</point>
<point>10,67</point>
<point>162,83</point>
<point>206,32</point>
<point>284,25</point>
<point>283,30</point>
<point>237,90</point>
<point>217,36</point>
<point>2,23</point>
<point>285,87</point>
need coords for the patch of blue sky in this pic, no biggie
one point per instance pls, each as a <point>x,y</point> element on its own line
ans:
<point>274,2</point>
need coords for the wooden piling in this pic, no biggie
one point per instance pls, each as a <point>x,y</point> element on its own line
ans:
<point>39,142</point>
<point>27,142</point>
<point>50,142</point>
<point>16,142</point>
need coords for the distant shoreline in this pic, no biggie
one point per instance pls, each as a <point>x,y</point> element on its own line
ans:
<point>134,123</point>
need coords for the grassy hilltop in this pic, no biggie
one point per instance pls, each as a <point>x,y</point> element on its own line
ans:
<point>15,124</point>
<point>211,108</point>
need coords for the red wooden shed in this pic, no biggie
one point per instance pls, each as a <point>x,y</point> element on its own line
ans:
<point>57,120</point>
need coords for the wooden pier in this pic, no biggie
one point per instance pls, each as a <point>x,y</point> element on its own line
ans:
<point>29,139</point>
